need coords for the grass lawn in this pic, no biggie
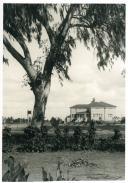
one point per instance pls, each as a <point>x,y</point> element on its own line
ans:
<point>108,166</point>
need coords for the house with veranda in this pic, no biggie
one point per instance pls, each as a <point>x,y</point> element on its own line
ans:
<point>94,111</point>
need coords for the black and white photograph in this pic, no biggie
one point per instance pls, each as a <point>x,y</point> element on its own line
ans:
<point>63,93</point>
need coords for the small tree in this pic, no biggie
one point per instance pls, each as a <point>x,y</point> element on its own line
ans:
<point>77,137</point>
<point>58,137</point>
<point>54,122</point>
<point>116,135</point>
<point>66,136</point>
<point>91,133</point>
<point>122,120</point>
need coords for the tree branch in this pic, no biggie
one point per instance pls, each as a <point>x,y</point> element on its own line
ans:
<point>81,19</point>
<point>13,51</point>
<point>23,61</point>
<point>43,19</point>
<point>60,37</point>
<point>19,38</point>
<point>63,28</point>
<point>79,25</point>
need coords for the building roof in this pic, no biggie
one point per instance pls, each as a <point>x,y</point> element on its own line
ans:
<point>100,104</point>
<point>80,106</point>
<point>92,104</point>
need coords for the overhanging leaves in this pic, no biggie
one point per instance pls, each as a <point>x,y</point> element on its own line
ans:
<point>101,26</point>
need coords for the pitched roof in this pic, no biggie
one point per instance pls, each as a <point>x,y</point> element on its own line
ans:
<point>100,104</point>
<point>93,104</point>
<point>80,106</point>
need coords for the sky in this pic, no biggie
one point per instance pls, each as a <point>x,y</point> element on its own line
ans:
<point>87,82</point>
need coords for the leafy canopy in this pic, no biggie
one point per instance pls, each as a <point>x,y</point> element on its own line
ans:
<point>101,26</point>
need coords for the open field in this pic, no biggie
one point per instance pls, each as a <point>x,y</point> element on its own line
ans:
<point>108,166</point>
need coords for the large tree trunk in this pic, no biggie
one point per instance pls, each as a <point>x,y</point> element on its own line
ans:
<point>41,95</point>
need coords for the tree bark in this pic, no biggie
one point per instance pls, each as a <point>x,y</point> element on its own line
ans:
<point>41,95</point>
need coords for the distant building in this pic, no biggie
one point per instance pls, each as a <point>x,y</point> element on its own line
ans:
<point>95,111</point>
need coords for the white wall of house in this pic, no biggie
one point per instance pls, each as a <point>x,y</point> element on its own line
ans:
<point>96,113</point>
<point>110,113</point>
<point>105,114</point>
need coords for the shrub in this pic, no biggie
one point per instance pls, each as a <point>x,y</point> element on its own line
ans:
<point>58,140</point>
<point>54,122</point>
<point>109,145</point>
<point>77,138</point>
<point>116,135</point>
<point>6,139</point>
<point>122,120</point>
<point>91,133</point>
<point>35,144</point>
<point>38,140</point>
<point>102,144</point>
<point>35,140</point>
<point>44,132</point>
<point>6,132</point>
<point>66,137</point>
<point>31,132</point>
<point>84,142</point>
<point>15,173</point>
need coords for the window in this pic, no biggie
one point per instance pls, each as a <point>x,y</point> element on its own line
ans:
<point>109,115</point>
<point>97,115</point>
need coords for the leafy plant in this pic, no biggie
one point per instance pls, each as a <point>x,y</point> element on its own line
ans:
<point>46,176</point>
<point>122,120</point>
<point>54,122</point>
<point>31,132</point>
<point>66,137</point>
<point>7,139</point>
<point>77,138</point>
<point>116,135</point>
<point>91,133</point>
<point>14,173</point>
